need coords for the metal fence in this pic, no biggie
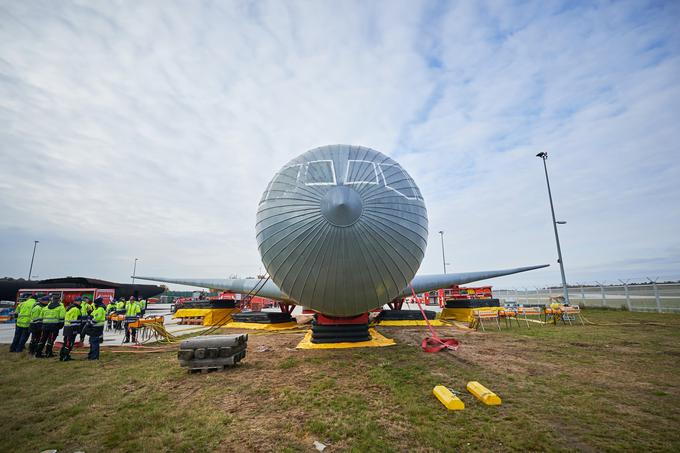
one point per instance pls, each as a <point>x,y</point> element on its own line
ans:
<point>657,297</point>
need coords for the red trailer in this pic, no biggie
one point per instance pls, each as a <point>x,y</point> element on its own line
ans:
<point>461,293</point>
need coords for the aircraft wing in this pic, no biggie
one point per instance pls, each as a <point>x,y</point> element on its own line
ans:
<point>422,283</point>
<point>237,285</point>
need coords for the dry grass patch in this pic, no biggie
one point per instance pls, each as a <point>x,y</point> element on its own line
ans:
<point>607,387</point>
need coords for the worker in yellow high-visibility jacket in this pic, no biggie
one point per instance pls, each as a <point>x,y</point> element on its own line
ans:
<point>36,326</point>
<point>21,330</point>
<point>85,311</point>
<point>110,310</point>
<point>52,316</point>
<point>72,326</point>
<point>119,310</point>
<point>132,314</point>
<point>96,329</point>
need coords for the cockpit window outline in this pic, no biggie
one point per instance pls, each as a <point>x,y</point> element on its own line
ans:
<point>280,175</point>
<point>375,172</point>
<point>411,183</point>
<point>334,183</point>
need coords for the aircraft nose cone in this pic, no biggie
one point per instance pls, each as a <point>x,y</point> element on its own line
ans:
<point>341,206</point>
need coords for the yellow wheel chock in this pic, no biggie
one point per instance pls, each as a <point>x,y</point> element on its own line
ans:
<point>483,394</point>
<point>448,399</point>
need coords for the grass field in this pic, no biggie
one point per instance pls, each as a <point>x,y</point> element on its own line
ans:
<point>601,387</point>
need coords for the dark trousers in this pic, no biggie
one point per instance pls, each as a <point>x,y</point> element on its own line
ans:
<point>36,333</point>
<point>95,340</point>
<point>129,331</point>
<point>70,334</point>
<point>118,325</point>
<point>20,337</point>
<point>49,334</point>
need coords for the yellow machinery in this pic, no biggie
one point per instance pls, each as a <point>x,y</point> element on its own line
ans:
<point>205,316</point>
<point>462,314</point>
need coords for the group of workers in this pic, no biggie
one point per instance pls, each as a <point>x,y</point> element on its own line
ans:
<point>41,318</point>
<point>123,314</point>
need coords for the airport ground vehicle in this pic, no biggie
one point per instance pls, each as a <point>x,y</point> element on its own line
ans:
<point>461,293</point>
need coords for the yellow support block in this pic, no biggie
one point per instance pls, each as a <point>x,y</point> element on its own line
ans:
<point>482,393</point>
<point>211,316</point>
<point>448,399</point>
<point>376,340</point>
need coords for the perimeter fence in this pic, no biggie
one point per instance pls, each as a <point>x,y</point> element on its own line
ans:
<point>656,297</point>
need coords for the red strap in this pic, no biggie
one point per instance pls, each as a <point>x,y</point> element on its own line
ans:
<point>434,343</point>
<point>437,344</point>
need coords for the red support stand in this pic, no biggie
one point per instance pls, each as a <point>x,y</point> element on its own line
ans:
<point>324,320</point>
<point>340,329</point>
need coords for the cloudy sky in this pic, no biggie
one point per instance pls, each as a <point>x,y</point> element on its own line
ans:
<point>150,129</point>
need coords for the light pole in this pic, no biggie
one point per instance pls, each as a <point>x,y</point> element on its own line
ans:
<point>441,233</point>
<point>30,270</point>
<point>544,157</point>
<point>134,271</point>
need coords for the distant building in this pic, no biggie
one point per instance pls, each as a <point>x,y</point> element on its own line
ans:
<point>10,286</point>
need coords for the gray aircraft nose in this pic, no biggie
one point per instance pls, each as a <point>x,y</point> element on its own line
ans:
<point>341,206</point>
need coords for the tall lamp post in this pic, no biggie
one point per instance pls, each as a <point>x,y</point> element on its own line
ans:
<point>30,270</point>
<point>134,271</point>
<point>544,157</point>
<point>441,233</point>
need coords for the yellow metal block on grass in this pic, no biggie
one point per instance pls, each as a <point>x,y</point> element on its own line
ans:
<point>482,393</point>
<point>448,399</point>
